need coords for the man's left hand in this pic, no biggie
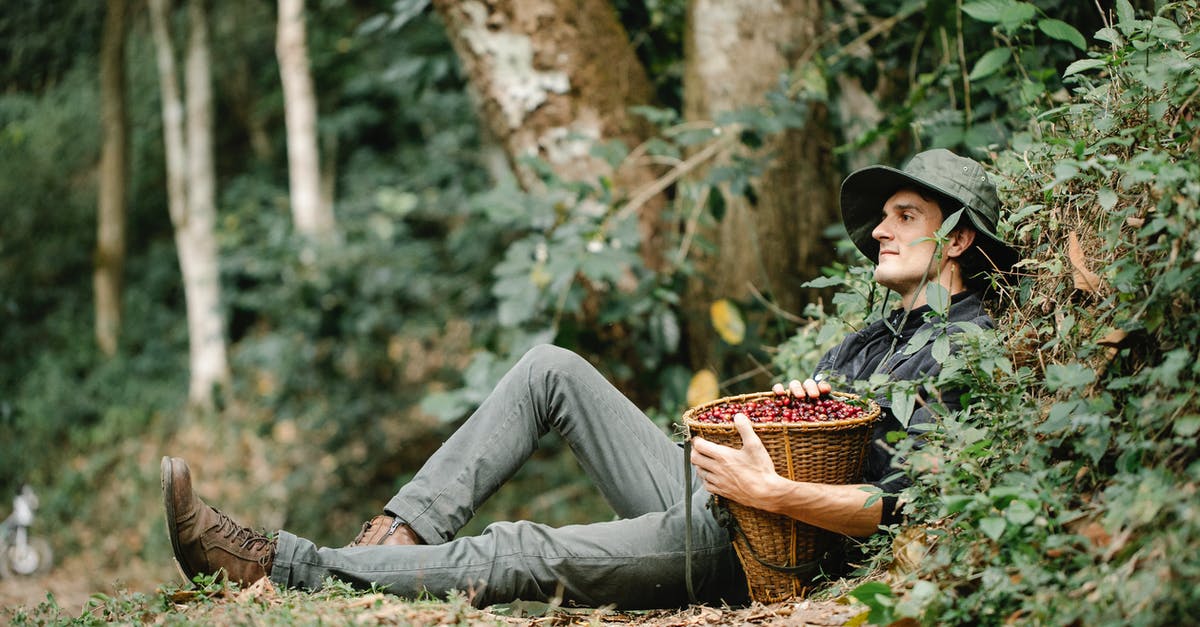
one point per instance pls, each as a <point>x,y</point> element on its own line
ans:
<point>746,475</point>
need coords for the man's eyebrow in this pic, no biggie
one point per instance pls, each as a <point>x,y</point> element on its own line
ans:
<point>904,205</point>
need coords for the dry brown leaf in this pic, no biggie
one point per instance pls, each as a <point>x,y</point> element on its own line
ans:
<point>1095,533</point>
<point>260,590</point>
<point>1085,279</point>
<point>1113,338</point>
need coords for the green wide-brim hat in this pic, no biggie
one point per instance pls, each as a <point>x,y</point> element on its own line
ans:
<point>961,179</point>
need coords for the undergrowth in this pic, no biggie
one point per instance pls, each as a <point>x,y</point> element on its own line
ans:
<point>1065,490</point>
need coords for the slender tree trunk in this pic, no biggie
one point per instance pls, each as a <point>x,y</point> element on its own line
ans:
<point>736,52</point>
<point>114,169</point>
<point>553,78</point>
<point>191,196</point>
<point>311,215</point>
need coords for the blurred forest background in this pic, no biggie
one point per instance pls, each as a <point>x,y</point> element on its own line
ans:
<point>296,242</point>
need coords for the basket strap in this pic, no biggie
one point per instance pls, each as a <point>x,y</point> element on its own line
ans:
<point>727,520</point>
<point>687,522</point>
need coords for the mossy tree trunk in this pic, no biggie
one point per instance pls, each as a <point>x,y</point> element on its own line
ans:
<point>554,77</point>
<point>736,51</point>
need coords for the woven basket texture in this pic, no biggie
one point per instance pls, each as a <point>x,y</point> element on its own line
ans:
<point>821,452</point>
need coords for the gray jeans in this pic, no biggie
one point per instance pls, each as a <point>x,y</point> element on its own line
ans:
<point>636,561</point>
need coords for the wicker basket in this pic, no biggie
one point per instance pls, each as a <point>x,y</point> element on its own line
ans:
<point>780,554</point>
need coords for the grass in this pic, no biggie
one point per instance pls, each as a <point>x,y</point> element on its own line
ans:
<point>213,602</point>
<point>216,602</point>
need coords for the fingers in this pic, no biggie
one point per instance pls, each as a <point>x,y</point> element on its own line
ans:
<point>745,429</point>
<point>810,388</point>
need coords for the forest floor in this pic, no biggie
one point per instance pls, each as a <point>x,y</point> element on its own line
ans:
<point>143,595</point>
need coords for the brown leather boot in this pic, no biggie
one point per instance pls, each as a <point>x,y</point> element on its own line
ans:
<point>386,530</point>
<point>205,540</point>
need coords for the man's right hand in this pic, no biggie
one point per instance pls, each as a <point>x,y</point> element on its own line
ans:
<point>810,388</point>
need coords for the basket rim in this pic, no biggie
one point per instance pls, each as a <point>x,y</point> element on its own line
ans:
<point>872,413</point>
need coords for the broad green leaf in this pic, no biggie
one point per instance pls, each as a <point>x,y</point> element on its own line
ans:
<point>941,348</point>
<point>918,340</point>
<point>879,597</point>
<point>1083,65</point>
<point>1059,417</point>
<point>1008,13</point>
<point>1068,376</point>
<point>1187,426</point>
<point>1125,16</point>
<point>824,281</point>
<point>904,401</point>
<point>1019,513</point>
<point>1165,30</point>
<point>1110,36</point>
<point>955,503</point>
<point>993,527</point>
<point>949,223</point>
<point>938,297</point>
<point>1107,198</point>
<point>1062,31</point>
<point>991,61</point>
<point>727,321</point>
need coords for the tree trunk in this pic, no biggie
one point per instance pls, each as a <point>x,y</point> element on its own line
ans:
<point>114,169</point>
<point>553,78</point>
<point>736,51</point>
<point>191,197</point>
<point>312,217</point>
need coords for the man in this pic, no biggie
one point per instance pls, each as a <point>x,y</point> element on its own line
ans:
<point>638,560</point>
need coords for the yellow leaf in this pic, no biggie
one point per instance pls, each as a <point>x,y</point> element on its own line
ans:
<point>727,320</point>
<point>702,388</point>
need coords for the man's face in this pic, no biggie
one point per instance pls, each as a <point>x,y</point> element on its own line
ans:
<point>904,260</point>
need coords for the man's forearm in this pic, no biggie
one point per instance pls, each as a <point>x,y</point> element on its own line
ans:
<point>838,508</point>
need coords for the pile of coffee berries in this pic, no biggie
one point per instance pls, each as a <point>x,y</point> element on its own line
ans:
<point>781,408</point>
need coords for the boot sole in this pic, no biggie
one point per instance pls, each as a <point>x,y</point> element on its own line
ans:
<point>167,483</point>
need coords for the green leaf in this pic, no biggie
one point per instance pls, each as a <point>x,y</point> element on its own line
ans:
<point>1107,198</point>
<point>904,401</point>
<point>938,297</point>
<point>948,224</point>
<point>1125,17</point>
<point>1110,36</point>
<point>824,281</point>
<point>1008,13</point>
<point>991,61</point>
<point>1019,513</point>
<point>1068,376</point>
<point>1187,426</point>
<point>1059,417</point>
<point>1083,65</point>
<point>993,527</point>
<point>941,348</point>
<point>716,203</point>
<point>918,340</point>
<point>879,597</point>
<point>1062,31</point>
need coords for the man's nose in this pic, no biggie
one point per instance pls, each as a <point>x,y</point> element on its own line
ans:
<point>881,232</point>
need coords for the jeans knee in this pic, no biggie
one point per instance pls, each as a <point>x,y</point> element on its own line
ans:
<point>547,358</point>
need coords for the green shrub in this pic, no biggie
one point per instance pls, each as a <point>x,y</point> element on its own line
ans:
<point>1065,491</point>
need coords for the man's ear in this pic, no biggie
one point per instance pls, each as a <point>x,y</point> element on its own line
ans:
<point>960,240</point>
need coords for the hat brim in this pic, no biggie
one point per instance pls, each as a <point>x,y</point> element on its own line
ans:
<point>864,193</point>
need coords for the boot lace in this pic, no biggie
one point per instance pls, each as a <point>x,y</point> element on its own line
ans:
<point>245,537</point>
